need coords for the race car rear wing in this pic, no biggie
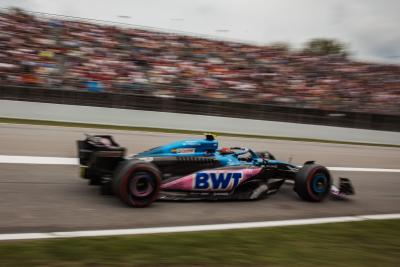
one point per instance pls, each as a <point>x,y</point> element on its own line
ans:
<point>99,154</point>
<point>99,145</point>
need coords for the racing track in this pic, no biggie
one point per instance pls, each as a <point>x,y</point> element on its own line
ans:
<point>35,198</point>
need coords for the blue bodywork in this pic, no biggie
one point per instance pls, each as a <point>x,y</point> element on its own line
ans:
<point>203,148</point>
<point>194,147</point>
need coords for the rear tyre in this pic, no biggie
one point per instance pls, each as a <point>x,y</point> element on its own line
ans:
<point>137,183</point>
<point>313,183</point>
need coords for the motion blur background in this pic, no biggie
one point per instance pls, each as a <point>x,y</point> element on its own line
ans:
<point>332,56</point>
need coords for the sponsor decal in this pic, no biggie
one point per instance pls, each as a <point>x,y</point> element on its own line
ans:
<point>187,150</point>
<point>216,180</point>
<point>191,143</point>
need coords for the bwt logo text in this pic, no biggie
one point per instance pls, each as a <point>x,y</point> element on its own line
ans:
<point>217,181</point>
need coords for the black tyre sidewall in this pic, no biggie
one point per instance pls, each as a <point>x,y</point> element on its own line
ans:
<point>125,172</point>
<point>303,181</point>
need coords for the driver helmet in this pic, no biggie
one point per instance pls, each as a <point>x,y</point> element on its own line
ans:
<point>225,150</point>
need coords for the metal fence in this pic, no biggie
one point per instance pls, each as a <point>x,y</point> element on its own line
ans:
<point>203,107</point>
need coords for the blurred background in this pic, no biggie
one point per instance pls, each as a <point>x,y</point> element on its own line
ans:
<point>43,50</point>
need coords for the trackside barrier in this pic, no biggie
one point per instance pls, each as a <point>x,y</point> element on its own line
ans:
<point>203,107</point>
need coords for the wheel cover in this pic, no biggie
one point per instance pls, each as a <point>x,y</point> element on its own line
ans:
<point>141,185</point>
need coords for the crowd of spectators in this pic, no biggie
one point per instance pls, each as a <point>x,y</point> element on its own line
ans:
<point>79,55</point>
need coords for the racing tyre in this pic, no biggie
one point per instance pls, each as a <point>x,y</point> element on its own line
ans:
<point>137,183</point>
<point>265,155</point>
<point>313,182</point>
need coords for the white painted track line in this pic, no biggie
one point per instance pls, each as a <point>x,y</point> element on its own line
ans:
<point>381,216</point>
<point>196,228</point>
<point>350,169</point>
<point>7,159</point>
<point>37,160</point>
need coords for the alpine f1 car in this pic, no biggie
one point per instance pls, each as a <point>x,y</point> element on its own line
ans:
<point>198,169</point>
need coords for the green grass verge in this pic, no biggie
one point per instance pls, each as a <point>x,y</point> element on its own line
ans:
<point>367,243</point>
<point>163,130</point>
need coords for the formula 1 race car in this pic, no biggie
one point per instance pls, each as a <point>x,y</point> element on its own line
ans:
<point>198,170</point>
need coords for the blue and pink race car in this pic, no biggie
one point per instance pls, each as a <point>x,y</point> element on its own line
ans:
<point>197,169</point>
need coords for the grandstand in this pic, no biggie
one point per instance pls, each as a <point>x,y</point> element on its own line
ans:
<point>49,52</point>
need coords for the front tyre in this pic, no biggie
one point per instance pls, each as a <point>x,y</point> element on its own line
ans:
<point>137,183</point>
<point>313,183</point>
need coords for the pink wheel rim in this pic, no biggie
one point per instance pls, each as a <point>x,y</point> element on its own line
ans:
<point>141,185</point>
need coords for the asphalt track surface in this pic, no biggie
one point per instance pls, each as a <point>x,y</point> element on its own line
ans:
<point>43,198</point>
